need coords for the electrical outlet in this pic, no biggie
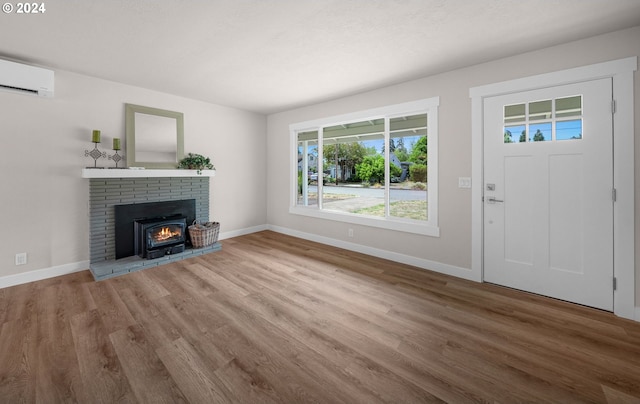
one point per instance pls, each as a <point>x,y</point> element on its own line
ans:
<point>21,258</point>
<point>350,233</point>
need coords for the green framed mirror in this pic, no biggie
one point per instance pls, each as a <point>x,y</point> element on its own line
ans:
<point>155,137</point>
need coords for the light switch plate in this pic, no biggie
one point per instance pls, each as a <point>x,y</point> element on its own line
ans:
<point>464,182</point>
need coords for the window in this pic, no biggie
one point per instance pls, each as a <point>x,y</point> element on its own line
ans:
<point>544,121</point>
<point>375,167</point>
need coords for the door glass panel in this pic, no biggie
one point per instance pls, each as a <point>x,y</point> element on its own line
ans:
<point>569,106</point>
<point>540,132</point>
<point>514,113</point>
<point>569,130</point>
<point>540,110</point>
<point>408,167</point>
<point>515,134</point>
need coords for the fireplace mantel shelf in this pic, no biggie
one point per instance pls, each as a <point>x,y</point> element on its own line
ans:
<point>148,173</point>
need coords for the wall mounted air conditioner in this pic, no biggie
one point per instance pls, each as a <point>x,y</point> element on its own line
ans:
<point>25,79</point>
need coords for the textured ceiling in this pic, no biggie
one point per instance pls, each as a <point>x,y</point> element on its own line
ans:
<point>273,55</point>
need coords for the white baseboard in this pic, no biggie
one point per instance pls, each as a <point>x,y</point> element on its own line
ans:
<point>242,232</point>
<point>637,314</point>
<point>40,274</point>
<point>435,266</point>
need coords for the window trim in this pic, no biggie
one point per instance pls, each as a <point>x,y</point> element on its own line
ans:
<point>429,227</point>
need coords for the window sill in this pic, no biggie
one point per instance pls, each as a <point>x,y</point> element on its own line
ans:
<point>406,227</point>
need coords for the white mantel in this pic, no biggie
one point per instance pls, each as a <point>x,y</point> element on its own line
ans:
<point>146,173</point>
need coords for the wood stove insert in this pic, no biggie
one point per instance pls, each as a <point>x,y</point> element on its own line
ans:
<point>132,218</point>
<point>155,238</point>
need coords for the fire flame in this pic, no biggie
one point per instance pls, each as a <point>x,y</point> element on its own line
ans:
<point>165,234</point>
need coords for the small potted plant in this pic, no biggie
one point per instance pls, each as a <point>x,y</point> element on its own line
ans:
<point>196,162</point>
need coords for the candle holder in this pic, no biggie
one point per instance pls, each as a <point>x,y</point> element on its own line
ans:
<point>95,154</point>
<point>117,158</point>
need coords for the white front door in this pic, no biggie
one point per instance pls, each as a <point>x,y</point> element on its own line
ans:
<point>548,192</point>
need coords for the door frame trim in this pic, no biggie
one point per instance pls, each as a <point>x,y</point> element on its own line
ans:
<point>621,72</point>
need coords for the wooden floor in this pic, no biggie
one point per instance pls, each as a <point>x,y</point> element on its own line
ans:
<point>274,319</point>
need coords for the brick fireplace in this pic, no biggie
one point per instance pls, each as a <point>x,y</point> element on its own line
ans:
<point>106,193</point>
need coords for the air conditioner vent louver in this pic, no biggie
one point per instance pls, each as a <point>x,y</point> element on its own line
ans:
<point>18,89</point>
<point>25,79</point>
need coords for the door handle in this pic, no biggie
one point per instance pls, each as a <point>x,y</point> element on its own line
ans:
<point>492,200</point>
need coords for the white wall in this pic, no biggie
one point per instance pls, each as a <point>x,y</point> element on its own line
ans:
<point>453,247</point>
<point>44,140</point>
